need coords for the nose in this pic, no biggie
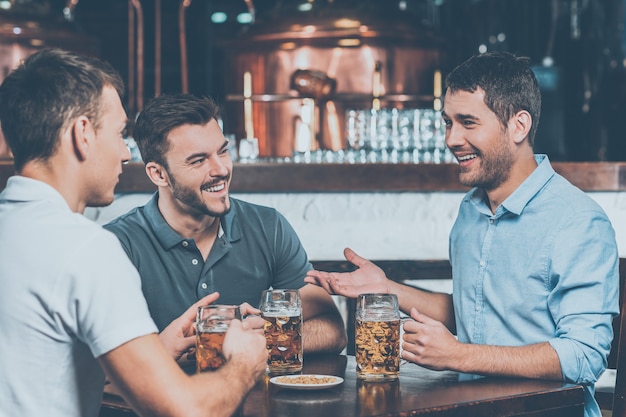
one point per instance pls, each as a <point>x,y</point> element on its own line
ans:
<point>454,136</point>
<point>125,156</point>
<point>218,165</point>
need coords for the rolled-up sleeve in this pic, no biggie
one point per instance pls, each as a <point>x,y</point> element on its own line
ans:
<point>584,275</point>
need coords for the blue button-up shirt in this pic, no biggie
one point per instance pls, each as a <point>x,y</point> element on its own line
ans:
<point>543,267</point>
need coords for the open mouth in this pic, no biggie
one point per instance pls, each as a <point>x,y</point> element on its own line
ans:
<point>465,158</point>
<point>214,188</point>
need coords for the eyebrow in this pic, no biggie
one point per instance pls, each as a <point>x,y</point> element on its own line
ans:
<point>460,116</point>
<point>196,155</point>
<point>204,154</point>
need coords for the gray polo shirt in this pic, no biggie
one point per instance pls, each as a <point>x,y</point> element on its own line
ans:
<point>257,250</point>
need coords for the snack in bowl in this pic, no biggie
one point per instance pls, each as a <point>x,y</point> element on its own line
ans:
<point>306,382</point>
<point>306,379</point>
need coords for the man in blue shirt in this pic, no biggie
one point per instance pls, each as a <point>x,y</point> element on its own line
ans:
<point>534,259</point>
<point>193,239</point>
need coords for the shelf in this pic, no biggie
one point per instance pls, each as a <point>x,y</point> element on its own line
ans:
<point>265,177</point>
<point>339,97</point>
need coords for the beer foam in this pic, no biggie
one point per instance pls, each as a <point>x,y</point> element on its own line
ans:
<point>293,312</point>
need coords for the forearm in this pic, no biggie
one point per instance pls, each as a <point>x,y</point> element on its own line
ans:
<point>226,398</point>
<point>324,333</point>
<point>530,361</point>
<point>434,304</point>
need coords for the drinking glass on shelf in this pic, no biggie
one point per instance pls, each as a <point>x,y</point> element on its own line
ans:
<point>429,136</point>
<point>248,149</point>
<point>357,134</point>
<point>392,135</point>
<point>232,146</point>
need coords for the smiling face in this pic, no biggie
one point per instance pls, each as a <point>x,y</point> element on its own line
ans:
<point>199,169</point>
<point>482,146</point>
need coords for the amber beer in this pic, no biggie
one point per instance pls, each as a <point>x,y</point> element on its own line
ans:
<point>282,311</point>
<point>209,355</point>
<point>212,323</point>
<point>283,335</point>
<point>378,349</point>
<point>377,337</point>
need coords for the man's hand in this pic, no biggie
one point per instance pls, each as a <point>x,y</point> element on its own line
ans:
<point>252,317</point>
<point>428,343</point>
<point>179,337</point>
<point>367,278</point>
<point>246,347</point>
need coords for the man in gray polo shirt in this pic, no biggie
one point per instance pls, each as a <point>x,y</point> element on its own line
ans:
<point>192,239</point>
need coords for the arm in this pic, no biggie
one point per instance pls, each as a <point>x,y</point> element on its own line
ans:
<point>323,329</point>
<point>369,278</point>
<point>428,343</point>
<point>153,384</point>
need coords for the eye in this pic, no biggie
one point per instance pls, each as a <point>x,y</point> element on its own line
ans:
<point>196,161</point>
<point>468,123</point>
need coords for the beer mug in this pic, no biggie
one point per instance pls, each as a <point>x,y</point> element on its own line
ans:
<point>282,311</point>
<point>212,322</point>
<point>377,337</point>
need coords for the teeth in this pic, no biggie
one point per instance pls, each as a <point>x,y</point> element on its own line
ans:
<point>215,188</point>
<point>466,157</point>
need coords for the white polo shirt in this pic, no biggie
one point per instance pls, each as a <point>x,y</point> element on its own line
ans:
<point>68,294</point>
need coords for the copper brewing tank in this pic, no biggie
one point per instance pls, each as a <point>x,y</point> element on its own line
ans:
<point>30,25</point>
<point>352,53</point>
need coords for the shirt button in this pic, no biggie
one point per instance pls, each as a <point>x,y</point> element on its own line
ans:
<point>491,221</point>
<point>204,286</point>
<point>482,264</point>
<point>194,261</point>
<point>185,243</point>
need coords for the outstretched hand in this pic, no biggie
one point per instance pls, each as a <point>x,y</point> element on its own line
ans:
<point>365,279</point>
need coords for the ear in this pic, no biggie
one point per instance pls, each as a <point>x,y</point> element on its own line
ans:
<point>82,134</point>
<point>520,125</point>
<point>157,174</point>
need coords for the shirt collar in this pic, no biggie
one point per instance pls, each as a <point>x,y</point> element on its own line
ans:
<point>516,202</point>
<point>20,188</point>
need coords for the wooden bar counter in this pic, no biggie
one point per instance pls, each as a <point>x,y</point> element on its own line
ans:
<point>266,177</point>
<point>418,392</point>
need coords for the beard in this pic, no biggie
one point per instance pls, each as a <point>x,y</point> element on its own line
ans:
<point>494,169</point>
<point>191,198</point>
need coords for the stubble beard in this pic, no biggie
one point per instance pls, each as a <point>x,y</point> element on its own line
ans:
<point>192,199</point>
<point>494,169</point>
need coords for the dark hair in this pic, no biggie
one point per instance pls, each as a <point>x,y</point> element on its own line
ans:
<point>165,113</point>
<point>46,93</point>
<point>508,82</point>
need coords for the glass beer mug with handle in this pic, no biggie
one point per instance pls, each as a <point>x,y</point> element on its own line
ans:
<point>282,311</point>
<point>212,322</point>
<point>377,337</point>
